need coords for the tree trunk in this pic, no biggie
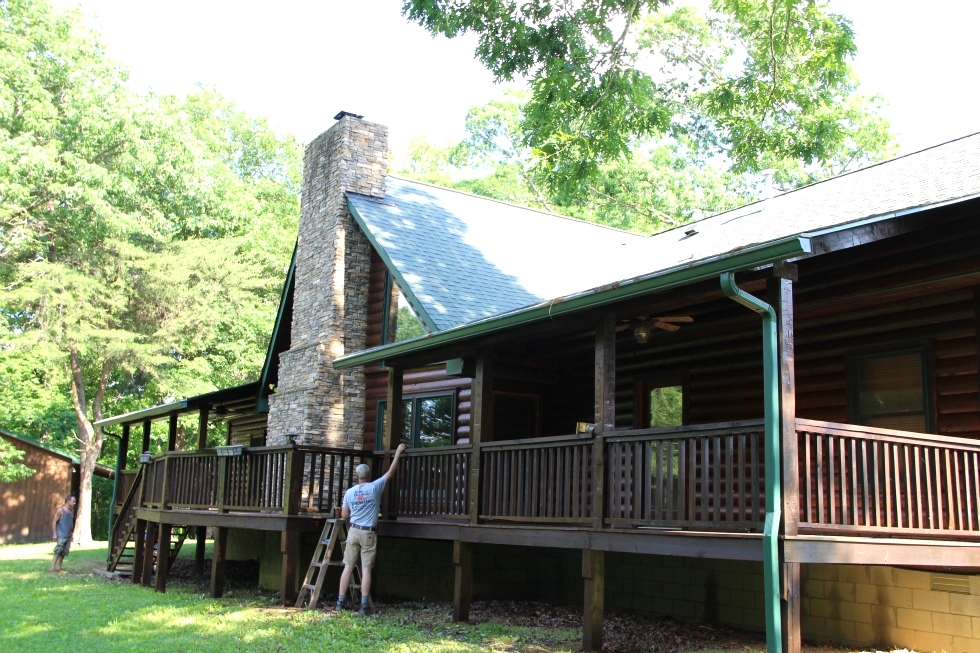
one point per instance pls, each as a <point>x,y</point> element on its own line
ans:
<point>89,442</point>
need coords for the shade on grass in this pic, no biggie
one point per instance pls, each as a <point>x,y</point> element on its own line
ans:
<point>81,611</point>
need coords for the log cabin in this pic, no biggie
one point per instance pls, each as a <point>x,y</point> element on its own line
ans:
<point>768,418</point>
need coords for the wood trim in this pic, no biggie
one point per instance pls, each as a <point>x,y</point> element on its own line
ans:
<point>780,293</point>
<point>880,551</point>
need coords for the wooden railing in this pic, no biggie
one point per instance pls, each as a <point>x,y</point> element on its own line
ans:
<point>328,472</point>
<point>432,483</point>
<point>853,480</point>
<point>125,522</point>
<point>540,480</point>
<point>862,480</point>
<point>709,477</point>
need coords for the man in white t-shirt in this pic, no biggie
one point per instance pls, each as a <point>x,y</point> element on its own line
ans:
<point>362,503</point>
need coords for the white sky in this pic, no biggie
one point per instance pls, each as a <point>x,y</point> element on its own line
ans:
<point>299,62</point>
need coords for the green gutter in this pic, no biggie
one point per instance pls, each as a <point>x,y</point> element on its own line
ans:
<point>662,280</point>
<point>774,499</point>
<point>142,415</point>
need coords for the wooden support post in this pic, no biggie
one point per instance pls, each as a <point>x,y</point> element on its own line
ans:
<point>218,562</point>
<point>201,535</point>
<point>139,554</point>
<point>166,478</point>
<point>463,587</point>
<point>152,529</point>
<point>172,432</point>
<point>289,546</point>
<point>393,428</point>
<point>482,429</point>
<point>202,427</point>
<point>163,557</point>
<point>145,445</point>
<point>222,494</point>
<point>780,296</point>
<point>605,409</point>
<point>594,573</point>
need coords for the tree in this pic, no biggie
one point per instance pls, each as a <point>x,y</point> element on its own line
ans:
<point>11,468</point>
<point>593,96</point>
<point>120,218</point>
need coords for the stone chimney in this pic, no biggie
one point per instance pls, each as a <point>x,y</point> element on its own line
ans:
<point>315,404</point>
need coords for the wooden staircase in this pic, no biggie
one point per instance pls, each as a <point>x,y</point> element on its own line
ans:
<point>122,539</point>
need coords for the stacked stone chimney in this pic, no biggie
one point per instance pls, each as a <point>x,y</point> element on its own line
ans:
<point>314,403</point>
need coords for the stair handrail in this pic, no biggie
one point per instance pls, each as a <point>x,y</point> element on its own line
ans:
<point>117,538</point>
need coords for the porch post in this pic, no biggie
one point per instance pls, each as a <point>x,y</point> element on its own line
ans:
<point>163,557</point>
<point>594,574</point>
<point>201,532</point>
<point>172,433</point>
<point>482,414</point>
<point>394,426</point>
<point>202,427</point>
<point>218,562</point>
<point>463,587</point>
<point>289,547</point>
<point>605,409</point>
<point>146,436</point>
<point>780,296</point>
<point>121,453</point>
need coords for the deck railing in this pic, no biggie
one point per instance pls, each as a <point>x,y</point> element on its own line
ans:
<point>432,483</point>
<point>853,480</point>
<point>540,480</point>
<point>706,477</point>
<point>862,480</point>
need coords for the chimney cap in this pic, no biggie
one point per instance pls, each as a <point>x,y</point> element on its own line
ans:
<point>347,113</point>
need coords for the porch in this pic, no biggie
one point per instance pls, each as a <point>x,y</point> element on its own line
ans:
<point>866,496</point>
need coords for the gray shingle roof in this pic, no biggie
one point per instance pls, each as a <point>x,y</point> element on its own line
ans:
<point>463,258</point>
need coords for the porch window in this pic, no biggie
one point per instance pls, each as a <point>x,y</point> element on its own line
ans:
<point>660,402</point>
<point>428,420</point>
<point>890,390</point>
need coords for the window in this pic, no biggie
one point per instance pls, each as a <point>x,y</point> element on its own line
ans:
<point>428,420</point>
<point>890,390</point>
<point>660,402</point>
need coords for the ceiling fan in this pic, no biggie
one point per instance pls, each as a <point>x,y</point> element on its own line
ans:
<point>643,327</point>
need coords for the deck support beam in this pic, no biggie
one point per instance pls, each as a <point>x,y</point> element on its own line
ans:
<point>140,552</point>
<point>163,557</point>
<point>146,573</point>
<point>289,546</point>
<point>201,533</point>
<point>594,574</point>
<point>463,587</point>
<point>218,562</point>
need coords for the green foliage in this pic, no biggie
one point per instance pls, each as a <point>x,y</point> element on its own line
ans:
<point>11,468</point>
<point>596,93</point>
<point>143,239</point>
<point>408,325</point>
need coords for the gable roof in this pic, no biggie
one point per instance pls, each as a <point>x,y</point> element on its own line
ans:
<point>459,258</point>
<point>735,240</point>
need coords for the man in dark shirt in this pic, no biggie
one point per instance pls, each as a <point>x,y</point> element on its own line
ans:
<point>62,527</point>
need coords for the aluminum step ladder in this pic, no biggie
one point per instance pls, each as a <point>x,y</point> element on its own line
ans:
<point>333,537</point>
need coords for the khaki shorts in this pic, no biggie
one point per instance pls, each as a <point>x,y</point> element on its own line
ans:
<point>361,544</point>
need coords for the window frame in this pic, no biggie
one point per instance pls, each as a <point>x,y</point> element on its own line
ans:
<point>641,389</point>
<point>854,361</point>
<point>415,425</point>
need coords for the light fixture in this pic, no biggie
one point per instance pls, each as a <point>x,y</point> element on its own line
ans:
<point>642,334</point>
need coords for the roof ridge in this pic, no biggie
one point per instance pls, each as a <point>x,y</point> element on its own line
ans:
<point>514,205</point>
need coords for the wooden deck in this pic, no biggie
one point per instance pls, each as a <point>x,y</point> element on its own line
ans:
<point>856,482</point>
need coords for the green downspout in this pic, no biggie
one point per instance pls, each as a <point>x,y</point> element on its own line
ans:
<point>774,499</point>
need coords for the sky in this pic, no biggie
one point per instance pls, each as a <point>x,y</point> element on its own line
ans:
<point>299,62</point>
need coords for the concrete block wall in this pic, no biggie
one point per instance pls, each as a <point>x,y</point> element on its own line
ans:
<point>889,607</point>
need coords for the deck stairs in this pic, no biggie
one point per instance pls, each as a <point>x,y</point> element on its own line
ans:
<point>332,539</point>
<point>122,539</point>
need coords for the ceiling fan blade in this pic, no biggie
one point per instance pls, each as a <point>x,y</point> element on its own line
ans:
<point>674,318</point>
<point>666,326</point>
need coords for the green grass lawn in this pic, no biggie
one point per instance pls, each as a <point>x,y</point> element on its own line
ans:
<point>81,611</point>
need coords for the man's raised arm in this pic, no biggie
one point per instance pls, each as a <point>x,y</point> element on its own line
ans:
<point>394,462</point>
